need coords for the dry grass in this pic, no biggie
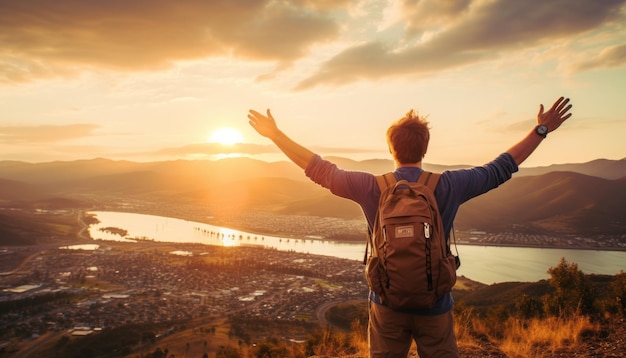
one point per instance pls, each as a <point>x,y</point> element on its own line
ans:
<point>541,337</point>
<point>516,338</point>
<point>358,339</point>
<point>533,337</point>
<point>463,329</point>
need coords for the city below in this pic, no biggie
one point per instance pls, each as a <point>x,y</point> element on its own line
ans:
<point>80,292</point>
<point>50,291</point>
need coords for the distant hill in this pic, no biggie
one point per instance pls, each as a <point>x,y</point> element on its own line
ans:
<point>224,170</point>
<point>13,190</point>
<point>602,168</point>
<point>60,174</point>
<point>557,202</point>
<point>586,198</point>
<point>27,227</point>
<point>12,230</point>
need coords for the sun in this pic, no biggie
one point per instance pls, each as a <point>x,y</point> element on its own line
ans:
<point>225,136</point>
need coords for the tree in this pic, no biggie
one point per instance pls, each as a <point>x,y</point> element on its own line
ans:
<point>572,291</point>
<point>619,290</point>
<point>528,306</point>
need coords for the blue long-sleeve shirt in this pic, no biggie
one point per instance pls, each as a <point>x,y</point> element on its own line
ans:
<point>454,188</point>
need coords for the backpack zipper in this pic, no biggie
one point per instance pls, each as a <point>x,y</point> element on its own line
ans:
<point>429,272</point>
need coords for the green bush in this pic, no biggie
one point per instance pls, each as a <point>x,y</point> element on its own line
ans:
<point>572,291</point>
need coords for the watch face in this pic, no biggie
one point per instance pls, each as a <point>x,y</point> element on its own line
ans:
<point>542,130</point>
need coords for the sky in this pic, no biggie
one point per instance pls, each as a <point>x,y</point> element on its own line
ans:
<point>155,80</point>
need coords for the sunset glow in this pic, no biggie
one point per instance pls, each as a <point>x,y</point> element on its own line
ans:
<point>226,136</point>
<point>144,81</point>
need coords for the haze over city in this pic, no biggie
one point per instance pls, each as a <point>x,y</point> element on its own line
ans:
<point>163,80</point>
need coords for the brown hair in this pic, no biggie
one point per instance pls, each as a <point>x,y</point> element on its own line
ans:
<point>408,138</point>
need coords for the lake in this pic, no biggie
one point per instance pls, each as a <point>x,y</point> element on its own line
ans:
<point>486,264</point>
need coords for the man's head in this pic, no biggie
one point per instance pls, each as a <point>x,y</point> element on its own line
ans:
<point>408,139</point>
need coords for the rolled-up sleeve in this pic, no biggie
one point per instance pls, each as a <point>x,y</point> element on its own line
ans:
<point>344,183</point>
<point>470,183</point>
<point>357,186</point>
<point>458,186</point>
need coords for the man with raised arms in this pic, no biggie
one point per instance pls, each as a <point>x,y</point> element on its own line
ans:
<point>390,332</point>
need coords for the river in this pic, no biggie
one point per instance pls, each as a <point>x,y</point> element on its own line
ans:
<point>486,264</point>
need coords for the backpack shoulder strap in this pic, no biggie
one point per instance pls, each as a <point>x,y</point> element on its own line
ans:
<point>385,180</point>
<point>429,179</point>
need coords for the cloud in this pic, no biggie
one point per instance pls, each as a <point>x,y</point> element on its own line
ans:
<point>613,56</point>
<point>466,34</point>
<point>44,133</point>
<point>422,16</point>
<point>45,39</point>
<point>42,38</point>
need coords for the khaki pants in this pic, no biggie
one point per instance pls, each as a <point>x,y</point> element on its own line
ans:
<point>391,334</point>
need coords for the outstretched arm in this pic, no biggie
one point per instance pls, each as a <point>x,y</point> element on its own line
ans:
<point>552,119</point>
<point>266,126</point>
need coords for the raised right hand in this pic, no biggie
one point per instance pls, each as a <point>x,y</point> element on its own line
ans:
<point>265,125</point>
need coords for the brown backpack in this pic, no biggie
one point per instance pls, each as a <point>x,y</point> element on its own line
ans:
<point>411,266</point>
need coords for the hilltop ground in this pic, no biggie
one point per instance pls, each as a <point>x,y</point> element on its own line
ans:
<point>228,326</point>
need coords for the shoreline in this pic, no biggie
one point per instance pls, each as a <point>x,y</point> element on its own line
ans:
<point>590,248</point>
<point>287,234</point>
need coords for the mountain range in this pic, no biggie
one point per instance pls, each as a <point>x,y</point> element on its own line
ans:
<point>577,199</point>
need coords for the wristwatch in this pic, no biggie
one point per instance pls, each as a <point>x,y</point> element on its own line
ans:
<point>542,130</point>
